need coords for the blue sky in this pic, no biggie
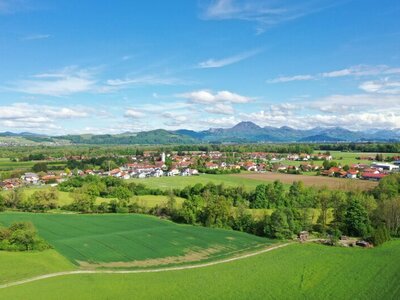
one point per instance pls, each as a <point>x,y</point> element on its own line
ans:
<point>116,66</point>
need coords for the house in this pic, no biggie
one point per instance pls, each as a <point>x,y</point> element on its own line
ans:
<point>211,166</point>
<point>352,174</point>
<point>52,178</point>
<point>30,178</point>
<point>157,173</point>
<point>373,176</point>
<point>173,172</point>
<point>189,172</point>
<point>250,166</point>
<point>293,157</point>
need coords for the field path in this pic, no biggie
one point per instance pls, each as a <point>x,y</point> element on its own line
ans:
<point>51,275</point>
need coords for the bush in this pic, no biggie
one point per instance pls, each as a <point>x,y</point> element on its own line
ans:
<point>380,235</point>
<point>21,236</point>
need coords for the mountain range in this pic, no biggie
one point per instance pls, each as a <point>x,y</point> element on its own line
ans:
<point>243,132</point>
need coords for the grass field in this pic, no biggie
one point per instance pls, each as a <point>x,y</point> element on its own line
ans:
<point>19,265</point>
<point>342,158</point>
<point>179,182</point>
<point>317,181</point>
<point>124,240</point>
<point>6,164</point>
<point>297,271</point>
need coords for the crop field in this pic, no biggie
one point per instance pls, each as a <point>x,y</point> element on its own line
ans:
<point>317,181</point>
<point>131,241</point>
<point>307,271</point>
<point>179,182</point>
<point>6,164</point>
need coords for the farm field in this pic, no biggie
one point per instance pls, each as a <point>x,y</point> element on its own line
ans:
<point>317,181</point>
<point>342,158</point>
<point>6,164</point>
<point>131,241</point>
<point>348,158</point>
<point>179,182</point>
<point>298,271</point>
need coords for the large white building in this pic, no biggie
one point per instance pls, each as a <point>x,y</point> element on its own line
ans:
<point>385,166</point>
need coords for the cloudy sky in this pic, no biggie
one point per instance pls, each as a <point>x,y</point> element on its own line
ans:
<point>72,66</point>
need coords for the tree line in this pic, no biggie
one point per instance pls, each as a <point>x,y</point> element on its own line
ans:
<point>373,215</point>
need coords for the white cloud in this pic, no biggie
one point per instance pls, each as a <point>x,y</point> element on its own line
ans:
<point>357,102</point>
<point>65,82</point>
<point>174,119</point>
<point>385,86</point>
<point>354,71</point>
<point>290,78</point>
<point>218,63</point>
<point>41,117</point>
<point>146,80</point>
<point>220,122</point>
<point>36,37</point>
<point>135,114</point>
<point>221,109</point>
<point>264,13</point>
<point>361,70</point>
<point>209,97</point>
<point>353,121</point>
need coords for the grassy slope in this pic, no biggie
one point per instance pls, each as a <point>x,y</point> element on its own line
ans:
<point>295,272</point>
<point>124,238</point>
<point>19,265</point>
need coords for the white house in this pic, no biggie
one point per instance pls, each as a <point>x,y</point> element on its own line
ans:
<point>173,172</point>
<point>30,178</point>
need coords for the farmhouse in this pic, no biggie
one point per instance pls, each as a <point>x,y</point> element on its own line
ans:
<point>211,166</point>
<point>373,176</point>
<point>30,178</point>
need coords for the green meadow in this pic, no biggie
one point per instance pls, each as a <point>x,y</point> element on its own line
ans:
<point>298,271</point>
<point>179,182</point>
<point>19,265</point>
<point>6,164</point>
<point>103,239</point>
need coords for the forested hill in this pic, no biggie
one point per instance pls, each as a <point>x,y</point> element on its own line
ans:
<point>244,132</point>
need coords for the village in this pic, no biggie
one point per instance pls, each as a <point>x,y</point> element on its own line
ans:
<point>195,163</point>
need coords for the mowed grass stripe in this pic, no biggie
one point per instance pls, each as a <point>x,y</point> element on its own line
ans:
<point>300,271</point>
<point>126,238</point>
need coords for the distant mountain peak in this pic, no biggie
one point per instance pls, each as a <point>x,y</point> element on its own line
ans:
<point>246,125</point>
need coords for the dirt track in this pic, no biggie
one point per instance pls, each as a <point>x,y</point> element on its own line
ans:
<point>318,181</point>
<point>51,275</point>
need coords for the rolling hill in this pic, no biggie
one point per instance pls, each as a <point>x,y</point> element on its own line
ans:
<point>243,132</point>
